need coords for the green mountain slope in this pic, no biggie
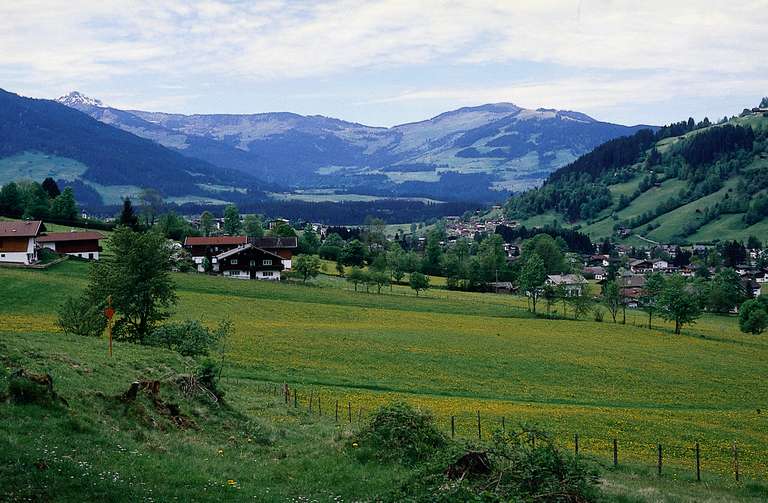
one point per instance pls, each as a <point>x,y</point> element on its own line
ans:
<point>686,183</point>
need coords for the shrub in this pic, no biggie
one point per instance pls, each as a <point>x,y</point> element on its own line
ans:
<point>399,433</point>
<point>189,337</point>
<point>80,317</point>
<point>209,374</point>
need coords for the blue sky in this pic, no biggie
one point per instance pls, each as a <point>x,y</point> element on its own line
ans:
<point>392,61</point>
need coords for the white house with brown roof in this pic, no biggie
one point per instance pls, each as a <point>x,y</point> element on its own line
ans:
<point>77,244</point>
<point>18,241</point>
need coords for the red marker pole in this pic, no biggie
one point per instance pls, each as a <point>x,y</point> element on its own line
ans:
<point>109,313</point>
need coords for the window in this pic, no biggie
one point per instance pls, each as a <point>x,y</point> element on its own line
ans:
<point>90,256</point>
<point>233,261</point>
<point>253,263</point>
<point>267,274</point>
<point>267,261</point>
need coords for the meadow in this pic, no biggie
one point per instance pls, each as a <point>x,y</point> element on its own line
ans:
<point>457,353</point>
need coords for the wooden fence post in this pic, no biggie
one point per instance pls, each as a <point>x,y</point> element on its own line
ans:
<point>319,406</point>
<point>576,444</point>
<point>659,465</point>
<point>295,399</point>
<point>337,411</point>
<point>615,452</point>
<point>479,430</point>
<point>453,426</point>
<point>736,461</point>
<point>349,411</point>
<point>698,463</point>
<point>503,426</point>
<point>310,401</point>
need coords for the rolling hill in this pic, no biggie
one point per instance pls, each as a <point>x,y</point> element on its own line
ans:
<point>473,153</point>
<point>41,138</point>
<point>686,183</point>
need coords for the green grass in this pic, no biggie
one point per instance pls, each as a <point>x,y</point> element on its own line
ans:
<point>37,166</point>
<point>456,353</point>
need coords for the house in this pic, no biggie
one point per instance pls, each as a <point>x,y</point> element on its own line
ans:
<point>660,265</point>
<point>573,284</point>
<point>631,288</point>
<point>502,287</point>
<point>77,244</point>
<point>248,262</point>
<point>640,266</point>
<point>597,273</point>
<point>18,243</point>
<point>202,247</point>
<point>752,287</point>
<point>598,260</point>
<point>285,247</point>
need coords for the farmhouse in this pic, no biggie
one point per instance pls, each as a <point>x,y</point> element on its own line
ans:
<point>77,244</point>
<point>248,262</point>
<point>282,246</point>
<point>573,284</point>
<point>597,273</point>
<point>640,266</point>
<point>17,241</point>
<point>209,246</point>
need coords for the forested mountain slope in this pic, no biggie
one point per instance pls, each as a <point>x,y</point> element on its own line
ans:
<point>686,182</point>
<point>99,159</point>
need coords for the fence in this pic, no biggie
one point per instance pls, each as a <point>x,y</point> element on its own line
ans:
<point>666,458</point>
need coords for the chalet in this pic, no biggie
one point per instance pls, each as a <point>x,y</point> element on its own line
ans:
<point>631,288</point>
<point>248,262</point>
<point>752,287</point>
<point>77,244</point>
<point>597,273</point>
<point>598,260</point>
<point>285,247</point>
<point>640,266</point>
<point>573,284</point>
<point>18,241</point>
<point>660,265</point>
<point>502,287</point>
<point>202,247</point>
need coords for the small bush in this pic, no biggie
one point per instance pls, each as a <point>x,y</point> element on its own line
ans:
<point>399,433</point>
<point>208,374</point>
<point>190,337</point>
<point>81,317</point>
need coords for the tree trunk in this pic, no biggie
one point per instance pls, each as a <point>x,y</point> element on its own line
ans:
<point>624,315</point>
<point>649,319</point>
<point>677,327</point>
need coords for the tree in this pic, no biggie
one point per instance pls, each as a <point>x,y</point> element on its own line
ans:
<point>36,205</point>
<point>649,298</point>
<point>11,201</point>
<point>232,224</point>
<point>493,258</point>
<point>331,247</point>
<point>356,276</point>
<point>51,188</point>
<point>764,102</point>
<point>677,303</point>
<point>753,243</point>
<point>127,216</point>
<point>308,266</point>
<point>753,316</point>
<point>309,242</point>
<point>137,278</point>
<point>549,293</point>
<point>419,282</point>
<point>254,229</point>
<point>206,223</point>
<point>395,262</point>
<point>581,305</point>
<point>724,291</point>
<point>380,279</point>
<point>433,253</point>
<point>173,226</point>
<point>64,206</point>
<point>340,268</point>
<point>533,275</point>
<point>612,298</point>
<point>353,253</point>
<point>548,250</point>
<point>283,230</point>
<point>151,205</point>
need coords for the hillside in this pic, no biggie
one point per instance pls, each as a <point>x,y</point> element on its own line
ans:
<point>465,154</point>
<point>686,183</point>
<point>40,138</point>
<point>480,353</point>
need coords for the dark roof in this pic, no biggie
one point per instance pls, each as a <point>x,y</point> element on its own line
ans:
<point>215,240</point>
<point>275,242</point>
<point>247,246</point>
<point>50,237</point>
<point>29,228</point>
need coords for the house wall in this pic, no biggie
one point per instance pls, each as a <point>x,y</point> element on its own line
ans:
<point>88,250</point>
<point>18,250</point>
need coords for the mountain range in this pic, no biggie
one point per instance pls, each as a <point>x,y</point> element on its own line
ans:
<point>470,154</point>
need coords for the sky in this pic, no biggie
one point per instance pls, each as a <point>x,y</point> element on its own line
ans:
<point>393,61</point>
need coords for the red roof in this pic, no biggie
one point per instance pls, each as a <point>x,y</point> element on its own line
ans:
<point>215,240</point>
<point>50,237</point>
<point>29,228</point>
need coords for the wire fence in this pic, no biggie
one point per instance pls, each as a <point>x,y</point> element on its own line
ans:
<point>695,460</point>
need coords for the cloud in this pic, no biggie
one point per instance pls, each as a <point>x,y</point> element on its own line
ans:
<point>702,46</point>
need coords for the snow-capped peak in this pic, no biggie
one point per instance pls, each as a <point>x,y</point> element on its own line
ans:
<point>76,99</point>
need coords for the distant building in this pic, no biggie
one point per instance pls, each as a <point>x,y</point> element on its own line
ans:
<point>202,247</point>
<point>18,241</point>
<point>248,262</point>
<point>573,284</point>
<point>77,244</point>
<point>597,273</point>
<point>285,247</point>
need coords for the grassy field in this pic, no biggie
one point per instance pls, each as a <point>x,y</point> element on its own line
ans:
<point>457,353</point>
